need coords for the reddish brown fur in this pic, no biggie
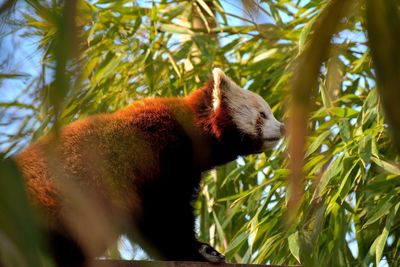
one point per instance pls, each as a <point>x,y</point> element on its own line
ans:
<point>139,168</point>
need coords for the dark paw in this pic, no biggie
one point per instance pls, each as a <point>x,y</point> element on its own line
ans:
<point>210,254</point>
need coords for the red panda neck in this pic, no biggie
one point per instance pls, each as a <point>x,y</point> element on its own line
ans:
<point>211,124</point>
<point>200,101</point>
<point>183,112</point>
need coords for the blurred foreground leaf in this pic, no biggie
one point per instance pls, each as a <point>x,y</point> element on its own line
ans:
<point>20,242</point>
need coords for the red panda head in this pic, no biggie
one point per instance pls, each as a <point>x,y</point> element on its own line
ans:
<point>238,118</point>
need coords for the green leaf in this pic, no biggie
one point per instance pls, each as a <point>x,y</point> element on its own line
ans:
<point>220,230</point>
<point>372,99</point>
<point>203,44</point>
<point>333,170</point>
<point>294,247</point>
<point>317,143</point>
<point>23,245</point>
<point>344,130</point>
<point>12,75</point>
<point>106,68</point>
<point>391,168</point>
<point>237,241</point>
<point>342,112</point>
<point>345,185</point>
<point>365,149</point>
<point>304,36</point>
<point>379,244</point>
<point>175,29</point>
<point>205,7</point>
<point>382,210</point>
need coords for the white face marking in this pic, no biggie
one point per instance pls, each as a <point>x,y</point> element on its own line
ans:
<point>246,108</point>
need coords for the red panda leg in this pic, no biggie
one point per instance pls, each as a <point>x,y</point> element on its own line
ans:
<point>167,227</point>
<point>65,251</point>
<point>171,236</point>
<point>210,254</point>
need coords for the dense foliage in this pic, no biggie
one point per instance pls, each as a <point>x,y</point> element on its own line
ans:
<point>311,60</point>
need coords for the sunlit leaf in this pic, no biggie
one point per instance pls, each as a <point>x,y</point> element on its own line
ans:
<point>294,245</point>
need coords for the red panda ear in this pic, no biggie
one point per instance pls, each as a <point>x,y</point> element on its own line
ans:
<point>220,81</point>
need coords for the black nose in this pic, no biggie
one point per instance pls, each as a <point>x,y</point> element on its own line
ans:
<point>282,129</point>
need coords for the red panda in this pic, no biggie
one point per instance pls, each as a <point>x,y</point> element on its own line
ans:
<point>140,169</point>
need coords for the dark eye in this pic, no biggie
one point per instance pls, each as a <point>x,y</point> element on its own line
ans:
<point>263,115</point>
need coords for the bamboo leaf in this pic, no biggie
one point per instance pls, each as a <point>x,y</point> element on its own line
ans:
<point>12,75</point>
<point>317,143</point>
<point>386,166</point>
<point>382,210</point>
<point>18,222</point>
<point>294,247</point>
<point>175,29</point>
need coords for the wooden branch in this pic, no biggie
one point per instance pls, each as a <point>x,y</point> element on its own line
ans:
<point>123,263</point>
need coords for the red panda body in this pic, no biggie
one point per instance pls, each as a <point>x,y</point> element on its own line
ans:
<point>141,167</point>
